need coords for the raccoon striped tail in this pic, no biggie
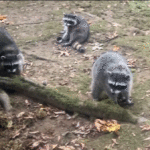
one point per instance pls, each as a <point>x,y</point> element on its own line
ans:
<point>77,46</point>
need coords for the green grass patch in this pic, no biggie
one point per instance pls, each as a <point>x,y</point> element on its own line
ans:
<point>84,82</point>
<point>140,45</point>
<point>100,26</point>
<point>141,105</point>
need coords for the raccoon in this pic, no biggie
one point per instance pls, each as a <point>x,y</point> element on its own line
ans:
<point>110,73</point>
<point>76,32</point>
<point>11,58</point>
<point>11,62</point>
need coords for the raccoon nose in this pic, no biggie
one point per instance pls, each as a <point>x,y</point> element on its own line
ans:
<point>3,57</point>
<point>112,92</point>
<point>14,70</point>
<point>124,98</point>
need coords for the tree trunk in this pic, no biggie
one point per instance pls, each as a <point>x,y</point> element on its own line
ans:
<point>52,97</point>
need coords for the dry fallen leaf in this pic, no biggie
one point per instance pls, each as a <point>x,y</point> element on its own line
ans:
<point>63,83</point>
<point>9,125</point>
<point>148,147</point>
<point>27,102</point>
<point>133,134</point>
<point>148,91</point>
<point>17,133</point>
<point>41,113</point>
<point>20,114</point>
<point>107,126</point>
<point>54,146</point>
<point>60,113</point>
<point>35,144</point>
<point>77,125</point>
<point>112,35</point>
<point>116,24</point>
<point>114,140</point>
<point>131,62</point>
<point>66,148</point>
<point>147,139</point>
<point>81,9</point>
<point>2,17</point>
<point>34,132</point>
<point>98,125</point>
<point>82,145</point>
<point>90,22</point>
<point>58,138</point>
<point>145,127</point>
<point>116,48</point>
<point>44,137</point>
<point>64,53</point>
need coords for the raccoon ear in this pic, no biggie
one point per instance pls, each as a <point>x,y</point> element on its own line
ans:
<point>109,72</point>
<point>128,77</point>
<point>3,57</point>
<point>19,56</point>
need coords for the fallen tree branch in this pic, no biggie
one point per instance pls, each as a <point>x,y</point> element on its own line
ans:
<point>64,102</point>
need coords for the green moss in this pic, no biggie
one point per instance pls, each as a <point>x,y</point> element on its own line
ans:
<point>62,101</point>
<point>109,111</point>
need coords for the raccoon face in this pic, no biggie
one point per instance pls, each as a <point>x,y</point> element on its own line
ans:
<point>9,63</point>
<point>117,82</point>
<point>70,20</point>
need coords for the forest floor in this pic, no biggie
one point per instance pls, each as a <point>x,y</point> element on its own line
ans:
<point>121,26</point>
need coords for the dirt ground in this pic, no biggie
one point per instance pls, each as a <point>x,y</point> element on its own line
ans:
<point>121,26</point>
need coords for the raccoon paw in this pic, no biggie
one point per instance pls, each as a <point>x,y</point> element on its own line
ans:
<point>59,39</point>
<point>66,44</point>
<point>128,102</point>
<point>82,50</point>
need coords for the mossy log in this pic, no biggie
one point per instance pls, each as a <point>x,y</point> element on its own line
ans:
<point>53,97</point>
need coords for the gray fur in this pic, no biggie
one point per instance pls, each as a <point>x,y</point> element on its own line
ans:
<point>5,101</point>
<point>111,74</point>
